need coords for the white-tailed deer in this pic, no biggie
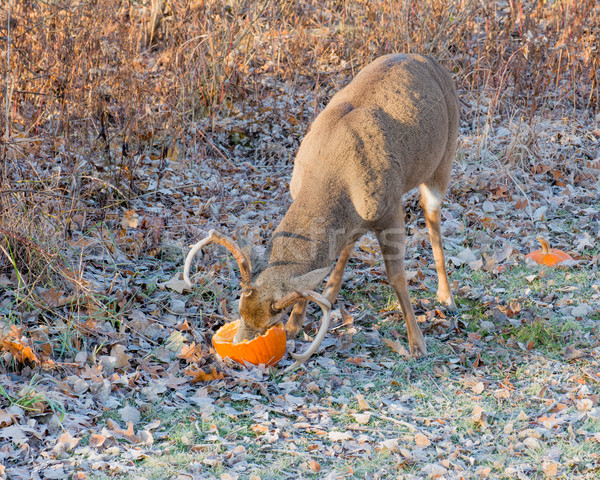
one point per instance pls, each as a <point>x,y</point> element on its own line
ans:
<point>393,128</point>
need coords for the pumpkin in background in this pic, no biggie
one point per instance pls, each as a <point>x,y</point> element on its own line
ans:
<point>265,349</point>
<point>547,255</point>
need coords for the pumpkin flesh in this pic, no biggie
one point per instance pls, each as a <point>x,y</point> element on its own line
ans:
<point>267,349</point>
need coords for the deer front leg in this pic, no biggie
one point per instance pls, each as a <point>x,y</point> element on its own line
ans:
<point>332,289</point>
<point>391,241</point>
<point>296,320</point>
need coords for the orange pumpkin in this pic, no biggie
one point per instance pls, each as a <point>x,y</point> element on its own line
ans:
<point>547,255</point>
<point>265,349</point>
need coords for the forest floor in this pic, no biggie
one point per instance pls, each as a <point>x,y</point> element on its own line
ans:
<point>510,387</point>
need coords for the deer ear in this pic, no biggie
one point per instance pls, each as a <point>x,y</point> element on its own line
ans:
<point>310,280</point>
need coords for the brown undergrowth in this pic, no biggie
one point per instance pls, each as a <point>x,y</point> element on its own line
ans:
<point>94,90</point>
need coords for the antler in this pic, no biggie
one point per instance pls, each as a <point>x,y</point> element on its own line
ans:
<point>287,300</point>
<point>229,244</point>
<point>312,348</point>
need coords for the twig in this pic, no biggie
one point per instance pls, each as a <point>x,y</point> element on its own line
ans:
<point>438,387</point>
<point>7,107</point>
<point>410,426</point>
<point>218,150</point>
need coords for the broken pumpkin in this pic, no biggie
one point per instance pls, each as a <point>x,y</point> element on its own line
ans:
<point>265,349</point>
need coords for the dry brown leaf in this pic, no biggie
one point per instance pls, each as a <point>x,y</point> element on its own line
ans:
<point>397,347</point>
<point>130,219</point>
<point>335,436</point>
<point>192,353</point>
<point>362,418</point>
<point>422,441</point>
<point>96,440</point>
<point>478,416</point>
<point>127,434</point>
<point>13,342</point>
<point>202,376</point>
<point>550,468</point>
<point>67,441</point>
<point>175,283</point>
<point>347,319</point>
<point>478,388</point>
<point>56,298</point>
<point>390,444</point>
<point>572,353</point>
<point>259,428</point>
<point>362,403</point>
<point>122,358</point>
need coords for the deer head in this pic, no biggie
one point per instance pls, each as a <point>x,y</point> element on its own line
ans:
<point>263,304</point>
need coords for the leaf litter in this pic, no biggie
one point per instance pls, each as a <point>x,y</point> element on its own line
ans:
<point>509,389</point>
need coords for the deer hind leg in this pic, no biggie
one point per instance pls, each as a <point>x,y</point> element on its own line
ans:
<point>296,320</point>
<point>391,241</point>
<point>431,201</point>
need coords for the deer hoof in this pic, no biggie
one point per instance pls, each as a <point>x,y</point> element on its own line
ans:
<point>448,303</point>
<point>292,330</point>
<point>418,350</point>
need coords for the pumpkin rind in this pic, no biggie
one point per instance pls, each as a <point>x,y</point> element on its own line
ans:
<point>265,349</point>
<point>548,256</point>
<point>555,256</point>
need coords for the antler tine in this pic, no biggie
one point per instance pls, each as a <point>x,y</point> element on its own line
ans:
<point>312,348</point>
<point>236,251</point>
<point>288,300</point>
<point>215,237</point>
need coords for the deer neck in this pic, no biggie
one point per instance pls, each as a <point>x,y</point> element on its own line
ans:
<point>309,237</point>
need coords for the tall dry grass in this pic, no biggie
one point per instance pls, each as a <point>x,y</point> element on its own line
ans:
<point>90,87</point>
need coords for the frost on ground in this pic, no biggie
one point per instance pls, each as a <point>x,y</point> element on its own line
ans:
<point>120,380</point>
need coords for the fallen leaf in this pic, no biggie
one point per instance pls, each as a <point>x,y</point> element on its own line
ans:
<point>584,405</point>
<point>550,468</point>
<point>362,403</point>
<point>13,342</point>
<point>478,416</point>
<point>130,219</point>
<point>122,358</point>
<point>128,434</point>
<point>391,444</point>
<point>397,347</point>
<point>572,353</point>
<point>362,418</point>
<point>202,376</point>
<point>478,388</point>
<point>422,441</point>
<point>96,440</point>
<point>336,436</point>
<point>175,283</point>
<point>68,441</point>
